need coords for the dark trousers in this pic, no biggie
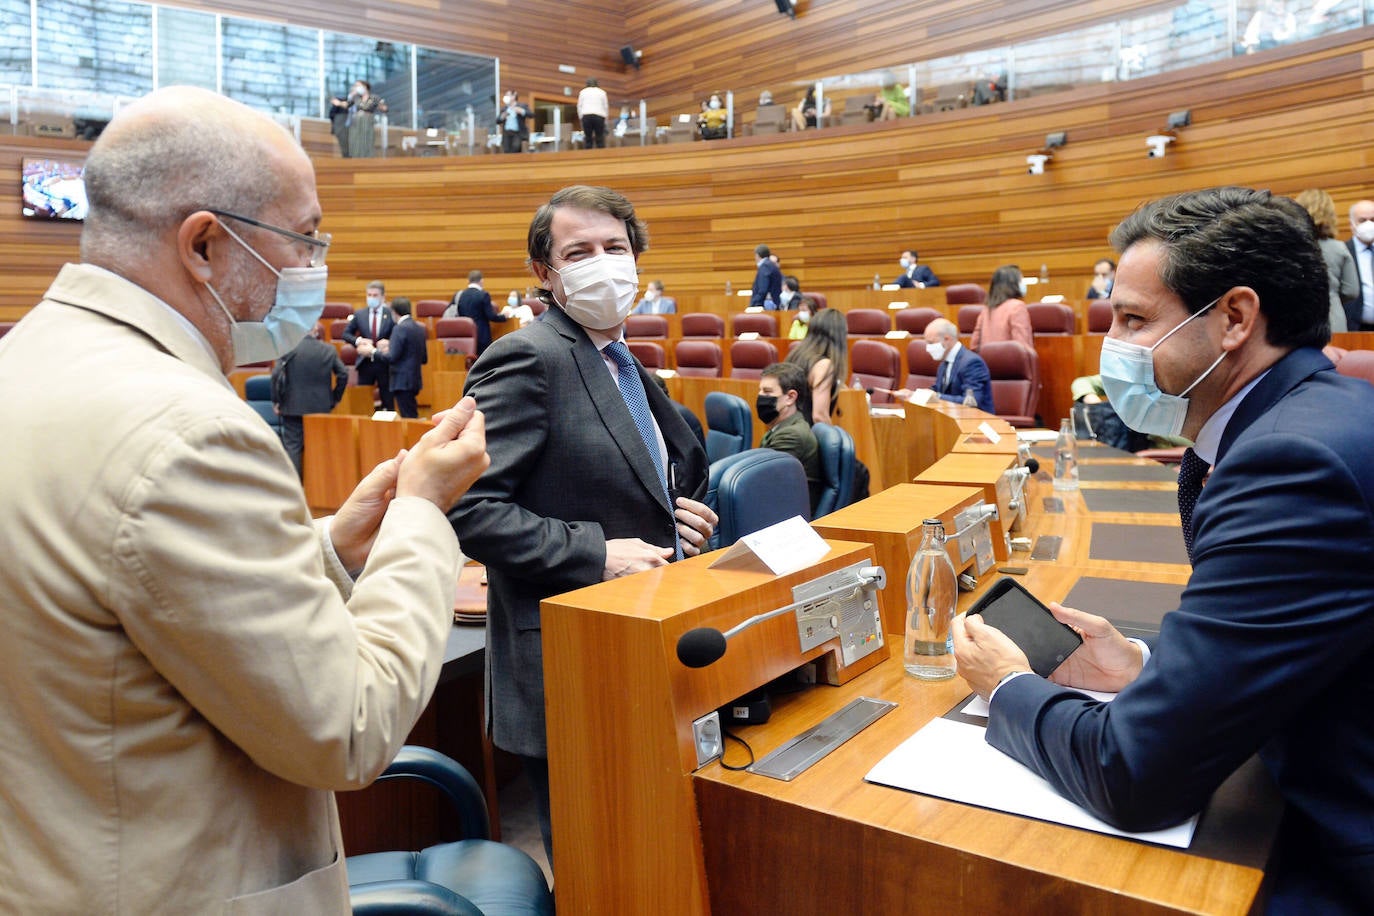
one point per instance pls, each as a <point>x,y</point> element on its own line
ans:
<point>293,437</point>
<point>405,403</point>
<point>594,131</point>
<point>510,141</point>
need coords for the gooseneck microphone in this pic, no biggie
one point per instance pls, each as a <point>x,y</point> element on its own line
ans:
<point>702,646</point>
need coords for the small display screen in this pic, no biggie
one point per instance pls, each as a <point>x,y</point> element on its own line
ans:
<point>54,189</point>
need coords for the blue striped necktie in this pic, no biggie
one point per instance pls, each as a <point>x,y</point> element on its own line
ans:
<point>632,390</point>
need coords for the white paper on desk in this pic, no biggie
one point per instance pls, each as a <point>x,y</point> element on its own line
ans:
<point>986,429</point>
<point>878,410</point>
<point>979,706</point>
<point>1037,435</point>
<point>897,335</point>
<point>922,396</point>
<point>748,335</point>
<point>952,760</point>
<point>784,548</point>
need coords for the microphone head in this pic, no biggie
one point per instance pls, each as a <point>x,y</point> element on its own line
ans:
<point>700,647</point>
<point>1032,465</point>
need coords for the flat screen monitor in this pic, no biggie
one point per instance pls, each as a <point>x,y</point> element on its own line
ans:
<point>54,189</point>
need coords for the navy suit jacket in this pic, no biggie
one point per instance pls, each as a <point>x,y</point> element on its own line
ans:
<point>568,472</point>
<point>1271,650</point>
<point>370,371</point>
<point>767,284</point>
<point>406,355</point>
<point>1354,309</point>
<point>922,274</point>
<point>968,371</point>
<point>476,304</point>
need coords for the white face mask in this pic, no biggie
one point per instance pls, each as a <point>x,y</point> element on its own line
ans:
<point>1365,231</point>
<point>905,262</point>
<point>599,292</point>
<point>936,351</point>
<point>299,303</point>
<point>1021,285</point>
<point>715,104</point>
<point>1128,377</point>
<point>804,317</point>
<point>513,299</point>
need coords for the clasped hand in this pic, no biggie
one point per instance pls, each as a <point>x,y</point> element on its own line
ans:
<point>695,523</point>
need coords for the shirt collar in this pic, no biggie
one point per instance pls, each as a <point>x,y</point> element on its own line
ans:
<point>949,357</point>
<point>1209,437</point>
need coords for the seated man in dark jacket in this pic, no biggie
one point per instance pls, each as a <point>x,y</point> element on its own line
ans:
<point>784,406</point>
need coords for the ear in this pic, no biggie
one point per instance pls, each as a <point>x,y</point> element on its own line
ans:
<point>196,235</point>
<point>541,272</point>
<point>789,396</point>
<point>1241,306</point>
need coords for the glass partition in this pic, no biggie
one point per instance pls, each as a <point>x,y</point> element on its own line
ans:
<point>187,48</point>
<point>271,67</point>
<point>16,46</point>
<point>95,45</point>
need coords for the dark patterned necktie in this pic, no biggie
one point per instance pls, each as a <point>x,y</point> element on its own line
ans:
<point>1191,472</point>
<point>632,390</point>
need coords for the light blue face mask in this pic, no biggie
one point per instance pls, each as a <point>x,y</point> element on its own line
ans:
<point>1128,377</point>
<point>299,304</point>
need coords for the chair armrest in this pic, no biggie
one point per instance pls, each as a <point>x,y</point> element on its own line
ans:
<point>452,779</point>
<point>409,897</point>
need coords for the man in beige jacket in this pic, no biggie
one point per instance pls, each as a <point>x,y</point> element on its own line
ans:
<point>190,666</point>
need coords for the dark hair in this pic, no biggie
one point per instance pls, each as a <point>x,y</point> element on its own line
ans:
<point>1108,261</point>
<point>912,252</point>
<point>826,338</point>
<point>365,84</point>
<point>1220,238</point>
<point>400,305</point>
<point>474,276</point>
<point>376,284</point>
<point>810,302</point>
<point>761,251</point>
<point>1006,284</point>
<point>591,81</point>
<point>792,283</point>
<point>539,243</point>
<point>792,377</point>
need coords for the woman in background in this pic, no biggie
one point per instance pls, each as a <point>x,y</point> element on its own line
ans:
<point>805,310</point>
<point>823,354</point>
<point>1343,283</point>
<point>1006,316</point>
<point>363,107</point>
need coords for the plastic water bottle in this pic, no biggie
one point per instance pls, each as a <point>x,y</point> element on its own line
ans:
<point>1066,457</point>
<point>877,281</point>
<point>970,399</point>
<point>728,291</point>
<point>931,594</point>
<point>1044,274</point>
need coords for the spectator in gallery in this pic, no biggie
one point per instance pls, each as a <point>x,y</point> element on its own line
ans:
<point>1273,24</point>
<point>1104,275</point>
<point>513,119</point>
<point>363,107</point>
<point>714,119</point>
<point>338,123</point>
<point>593,107</point>
<point>1005,317</point>
<point>805,114</point>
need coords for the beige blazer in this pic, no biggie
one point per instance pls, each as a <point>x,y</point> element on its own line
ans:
<point>187,670</point>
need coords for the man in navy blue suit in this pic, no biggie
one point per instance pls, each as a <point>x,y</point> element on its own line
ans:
<point>1220,308</point>
<point>767,292</point>
<point>915,275</point>
<point>958,369</point>
<point>403,353</point>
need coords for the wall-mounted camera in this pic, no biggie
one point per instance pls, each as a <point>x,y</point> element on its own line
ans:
<point>1159,144</point>
<point>1035,163</point>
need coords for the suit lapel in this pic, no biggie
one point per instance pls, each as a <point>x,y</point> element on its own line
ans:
<point>1283,376</point>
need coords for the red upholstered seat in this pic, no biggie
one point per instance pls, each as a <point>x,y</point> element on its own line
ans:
<point>876,364</point>
<point>748,358</point>
<point>968,318</point>
<point>1050,318</point>
<point>867,322</point>
<point>920,367</point>
<point>703,324</point>
<point>333,311</point>
<point>698,358</point>
<point>1015,375</point>
<point>650,354</point>
<point>430,308</point>
<point>965,294</point>
<point>761,323</point>
<point>914,321</point>
<point>650,326</point>
<point>1099,316</point>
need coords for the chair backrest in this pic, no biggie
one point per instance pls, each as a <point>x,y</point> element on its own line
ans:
<point>337,328</point>
<point>458,335</point>
<point>965,294</point>
<point>761,323</point>
<point>430,308</point>
<point>821,302</point>
<point>1015,375</point>
<point>698,358</point>
<point>729,425</point>
<point>914,321</point>
<point>1357,364</point>
<point>257,391</point>
<point>1099,316</point>
<point>838,461</point>
<point>748,358</point>
<point>652,326</point>
<point>967,318</point>
<point>876,364</point>
<point>867,322</point>
<point>1050,318</point>
<point>920,368</point>
<point>333,311</point>
<point>703,324</point>
<point>770,119</point>
<point>651,355</point>
<point>754,489</point>
<point>349,354</point>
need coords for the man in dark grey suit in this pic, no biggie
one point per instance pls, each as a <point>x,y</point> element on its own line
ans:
<point>1359,312</point>
<point>300,385</point>
<point>575,493</point>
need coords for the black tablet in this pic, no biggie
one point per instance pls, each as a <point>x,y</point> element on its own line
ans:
<point>1016,612</point>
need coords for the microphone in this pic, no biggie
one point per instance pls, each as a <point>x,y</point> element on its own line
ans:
<point>703,646</point>
<point>1032,465</point>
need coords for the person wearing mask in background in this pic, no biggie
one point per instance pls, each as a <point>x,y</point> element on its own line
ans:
<point>368,326</point>
<point>654,302</point>
<point>622,123</point>
<point>593,475</point>
<point>1343,281</point>
<point>475,302</point>
<point>593,107</point>
<point>1005,317</point>
<point>514,121</point>
<point>914,275</point>
<point>805,114</point>
<point>363,109</point>
<point>714,119</point>
<point>338,123</point>
<point>791,293</point>
<point>1104,273</point>
<point>1359,311</point>
<point>200,664</point>
<point>784,406</point>
<point>805,309</point>
<point>301,385</point>
<point>767,291</point>
<point>958,370</point>
<point>404,352</point>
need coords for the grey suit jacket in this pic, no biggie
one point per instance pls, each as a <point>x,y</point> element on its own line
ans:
<point>568,472</point>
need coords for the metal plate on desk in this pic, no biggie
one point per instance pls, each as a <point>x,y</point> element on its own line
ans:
<point>794,757</point>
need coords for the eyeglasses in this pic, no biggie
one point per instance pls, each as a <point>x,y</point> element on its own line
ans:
<point>318,242</point>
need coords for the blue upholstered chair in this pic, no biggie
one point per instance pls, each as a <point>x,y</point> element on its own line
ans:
<point>471,877</point>
<point>755,489</point>
<point>257,391</point>
<point>837,468</point>
<point>729,425</point>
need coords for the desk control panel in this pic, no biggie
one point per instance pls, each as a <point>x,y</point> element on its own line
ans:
<point>793,758</point>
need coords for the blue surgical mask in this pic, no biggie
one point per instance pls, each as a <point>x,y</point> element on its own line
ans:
<point>905,262</point>
<point>374,301</point>
<point>299,303</point>
<point>1128,377</point>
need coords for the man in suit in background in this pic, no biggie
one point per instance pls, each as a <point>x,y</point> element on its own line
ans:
<point>475,302</point>
<point>593,475</point>
<point>403,353</point>
<point>1271,646</point>
<point>767,281</point>
<point>301,385</point>
<point>914,275</point>
<point>654,302</point>
<point>514,121</point>
<point>957,368</point>
<point>1359,313</point>
<point>369,325</point>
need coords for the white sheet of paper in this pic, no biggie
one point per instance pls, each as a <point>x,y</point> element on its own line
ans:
<point>748,335</point>
<point>986,429</point>
<point>1037,435</point>
<point>897,335</point>
<point>885,411</point>
<point>898,305</point>
<point>922,395</point>
<point>979,706</point>
<point>952,760</point>
<point>784,548</point>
